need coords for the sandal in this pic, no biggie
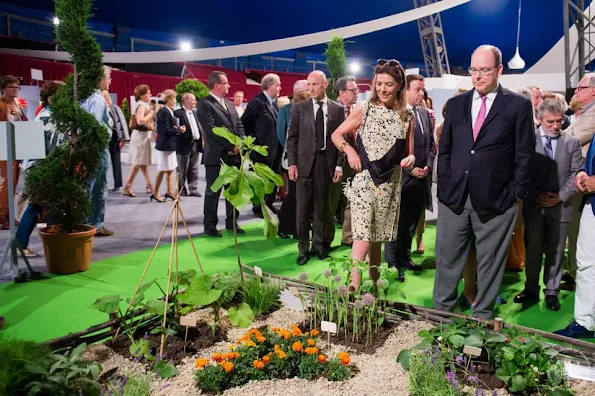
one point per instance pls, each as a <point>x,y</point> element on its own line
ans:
<point>127,191</point>
<point>149,189</point>
<point>356,279</point>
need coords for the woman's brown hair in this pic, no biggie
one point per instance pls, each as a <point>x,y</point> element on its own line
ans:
<point>394,69</point>
<point>5,81</point>
<point>300,96</point>
<point>48,90</point>
<point>140,91</point>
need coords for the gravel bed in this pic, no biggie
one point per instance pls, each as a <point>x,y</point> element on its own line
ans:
<point>379,373</point>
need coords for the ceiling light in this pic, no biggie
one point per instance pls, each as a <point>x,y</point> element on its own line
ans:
<point>354,67</point>
<point>185,46</point>
<point>56,21</point>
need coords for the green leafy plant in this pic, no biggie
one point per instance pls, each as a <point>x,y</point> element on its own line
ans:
<point>192,86</point>
<point>59,183</point>
<point>130,384</point>
<point>126,110</point>
<point>65,374</point>
<point>248,183</point>
<point>427,377</point>
<point>336,62</point>
<point>13,355</point>
<point>262,295</point>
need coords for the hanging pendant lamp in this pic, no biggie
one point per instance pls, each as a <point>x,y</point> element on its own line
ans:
<point>517,62</point>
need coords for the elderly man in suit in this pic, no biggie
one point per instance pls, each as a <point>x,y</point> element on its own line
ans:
<point>216,111</point>
<point>260,121</point>
<point>189,146</point>
<point>548,207</point>
<point>416,191</point>
<point>486,147</point>
<point>314,163</point>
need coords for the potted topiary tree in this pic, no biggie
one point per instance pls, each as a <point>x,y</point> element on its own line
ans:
<point>336,62</point>
<point>193,86</point>
<point>60,182</point>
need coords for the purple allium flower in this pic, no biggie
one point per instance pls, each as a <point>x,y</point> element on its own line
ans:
<point>368,300</point>
<point>342,291</point>
<point>337,278</point>
<point>303,277</point>
<point>381,283</point>
<point>460,360</point>
<point>494,393</point>
<point>327,274</point>
<point>359,304</point>
<point>472,379</point>
<point>450,375</point>
<point>432,360</point>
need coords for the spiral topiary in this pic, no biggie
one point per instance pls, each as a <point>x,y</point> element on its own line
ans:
<point>59,183</point>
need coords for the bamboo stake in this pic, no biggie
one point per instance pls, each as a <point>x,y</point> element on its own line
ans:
<point>191,242</point>
<point>171,258</point>
<point>147,266</point>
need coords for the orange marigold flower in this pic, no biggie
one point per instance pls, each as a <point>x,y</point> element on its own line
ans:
<point>201,363</point>
<point>232,355</point>
<point>258,364</point>
<point>250,344</point>
<point>311,342</point>
<point>281,354</point>
<point>260,338</point>
<point>266,359</point>
<point>297,346</point>
<point>314,333</point>
<point>311,351</point>
<point>277,347</point>
<point>227,366</point>
<point>285,334</point>
<point>217,357</point>
<point>275,329</point>
<point>321,358</point>
<point>296,331</point>
<point>344,358</point>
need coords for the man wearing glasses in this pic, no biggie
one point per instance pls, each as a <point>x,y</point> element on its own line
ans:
<point>486,146</point>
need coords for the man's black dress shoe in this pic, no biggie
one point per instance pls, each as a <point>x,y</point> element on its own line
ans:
<point>552,303</point>
<point>410,265</point>
<point>401,277</point>
<point>238,230</point>
<point>525,297</point>
<point>320,254</point>
<point>302,258</point>
<point>575,330</point>
<point>213,233</point>
<point>283,236</point>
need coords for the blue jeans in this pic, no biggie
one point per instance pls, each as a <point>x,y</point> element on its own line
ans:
<point>27,224</point>
<point>98,193</point>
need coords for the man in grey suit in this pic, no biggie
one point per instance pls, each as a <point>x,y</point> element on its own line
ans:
<point>548,207</point>
<point>314,162</point>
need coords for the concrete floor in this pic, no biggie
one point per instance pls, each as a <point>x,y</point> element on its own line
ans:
<point>137,222</point>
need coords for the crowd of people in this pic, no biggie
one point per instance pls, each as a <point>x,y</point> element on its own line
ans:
<point>514,173</point>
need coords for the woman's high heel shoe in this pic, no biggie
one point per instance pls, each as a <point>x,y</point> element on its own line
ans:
<point>170,196</point>
<point>149,189</point>
<point>153,197</point>
<point>127,191</point>
<point>355,281</point>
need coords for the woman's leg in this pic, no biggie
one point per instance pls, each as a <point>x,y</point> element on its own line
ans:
<point>168,178</point>
<point>145,170</point>
<point>419,233</point>
<point>131,176</point>
<point>359,251</point>
<point>158,179</point>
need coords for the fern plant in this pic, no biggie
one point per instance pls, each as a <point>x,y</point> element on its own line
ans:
<point>59,183</point>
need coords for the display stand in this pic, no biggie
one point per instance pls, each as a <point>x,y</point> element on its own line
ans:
<point>18,141</point>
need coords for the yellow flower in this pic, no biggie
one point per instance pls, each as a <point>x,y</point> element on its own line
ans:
<point>297,346</point>
<point>250,344</point>
<point>311,342</point>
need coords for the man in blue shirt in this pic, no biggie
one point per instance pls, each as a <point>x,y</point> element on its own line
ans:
<point>583,325</point>
<point>96,106</point>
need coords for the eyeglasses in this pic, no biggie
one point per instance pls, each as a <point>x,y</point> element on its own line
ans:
<point>482,72</point>
<point>14,87</point>
<point>354,90</point>
<point>580,87</point>
<point>391,62</point>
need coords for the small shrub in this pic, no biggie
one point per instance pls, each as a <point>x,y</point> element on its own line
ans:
<point>262,295</point>
<point>273,354</point>
<point>426,378</point>
<point>230,286</point>
<point>13,355</point>
<point>131,384</point>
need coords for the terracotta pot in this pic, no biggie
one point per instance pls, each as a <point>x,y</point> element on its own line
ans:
<point>67,253</point>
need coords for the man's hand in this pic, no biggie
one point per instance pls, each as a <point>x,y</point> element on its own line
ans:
<point>293,173</point>
<point>338,176</point>
<point>183,128</point>
<point>589,185</point>
<point>122,143</point>
<point>548,200</point>
<point>420,173</point>
<point>235,150</point>
<point>580,180</point>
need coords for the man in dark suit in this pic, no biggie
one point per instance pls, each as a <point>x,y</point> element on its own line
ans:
<point>315,163</point>
<point>486,146</point>
<point>416,189</point>
<point>260,121</point>
<point>548,207</point>
<point>216,111</point>
<point>189,146</point>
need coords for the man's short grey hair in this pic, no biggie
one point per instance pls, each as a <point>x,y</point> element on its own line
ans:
<point>591,79</point>
<point>300,85</point>
<point>551,106</point>
<point>269,80</point>
<point>495,51</point>
<point>106,70</point>
<point>187,95</point>
<point>341,83</point>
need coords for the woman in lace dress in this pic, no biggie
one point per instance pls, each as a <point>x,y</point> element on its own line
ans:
<point>384,145</point>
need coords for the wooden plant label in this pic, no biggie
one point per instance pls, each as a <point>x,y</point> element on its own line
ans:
<point>187,321</point>
<point>294,291</point>
<point>472,351</point>
<point>258,271</point>
<point>329,327</point>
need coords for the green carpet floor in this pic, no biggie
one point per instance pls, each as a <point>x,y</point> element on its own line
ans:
<point>51,308</point>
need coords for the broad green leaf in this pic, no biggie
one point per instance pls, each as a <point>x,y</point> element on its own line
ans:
<point>95,370</point>
<point>424,333</point>
<point>271,223</point>
<point>493,337</point>
<point>165,369</point>
<point>267,173</point>
<point>519,383</point>
<point>239,193</point>
<point>185,277</point>
<point>227,135</point>
<point>425,344</point>
<point>555,375</point>
<point>78,352</point>
<point>474,340</point>
<point>156,330</point>
<point>404,358</point>
<point>241,316</point>
<point>456,340</point>
<point>138,299</point>
<point>550,352</point>
<point>155,307</point>
<point>107,304</point>
<point>262,150</point>
<point>257,185</point>
<point>139,347</point>
<point>200,292</point>
<point>227,175</point>
<point>249,141</point>
<point>145,286</point>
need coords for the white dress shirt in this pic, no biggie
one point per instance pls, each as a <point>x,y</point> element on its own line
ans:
<point>476,104</point>
<point>325,112</point>
<point>417,117</point>
<point>220,100</point>
<point>193,125</point>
